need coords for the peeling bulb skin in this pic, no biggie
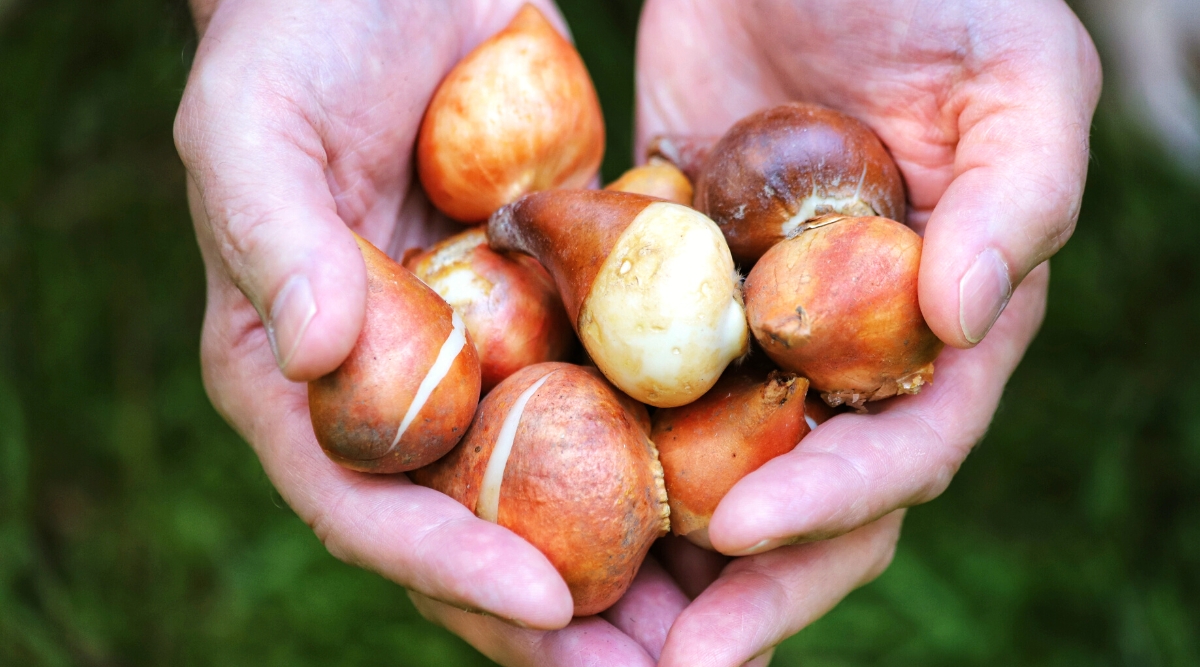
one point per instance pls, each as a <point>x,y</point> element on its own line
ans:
<point>649,285</point>
<point>751,415</point>
<point>581,482</point>
<point>519,114</point>
<point>408,390</point>
<point>838,304</point>
<point>508,302</point>
<point>656,178</point>
<point>777,169</point>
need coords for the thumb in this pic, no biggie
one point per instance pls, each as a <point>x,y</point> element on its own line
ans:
<point>1013,203</point>
<point>265,210</point>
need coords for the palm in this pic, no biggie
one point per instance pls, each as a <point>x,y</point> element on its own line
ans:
<point>985,107</point>
<point>922,78</point>
<point>299,121</point>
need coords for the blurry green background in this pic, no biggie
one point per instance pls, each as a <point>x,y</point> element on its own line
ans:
<point>137,529</point>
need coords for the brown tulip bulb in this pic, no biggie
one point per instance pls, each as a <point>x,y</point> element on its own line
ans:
<point>408,390</point>
<point>749,417</point>
<point>517,115</point>
<point>649,286</point>
<point>837,303</point>
<point>688,153</point>
<point>508,303</point>
<point>656,178</point>
<point>779,168</point>
<point>555,456</point>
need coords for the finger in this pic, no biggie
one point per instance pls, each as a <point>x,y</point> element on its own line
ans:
<point>692,568</point>
<point>856,468</point>
<point>414,536</point>
<point>1019,170</point>
<point>648,608</point>
<point>761,600</point>
<point>762,660</point>
<point>257,170</point>
<point>586,641</point>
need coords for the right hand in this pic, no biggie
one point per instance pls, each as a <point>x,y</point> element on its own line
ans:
<point>297,126</point>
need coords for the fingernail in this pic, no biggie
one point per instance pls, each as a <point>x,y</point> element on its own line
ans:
<point>983,293</point>
<point>293,310</point>
<point>765,545</point>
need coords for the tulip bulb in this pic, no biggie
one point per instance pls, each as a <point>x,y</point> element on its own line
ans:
<point>558,457</point>
<point>649,286</point>
<point>778,169</point>
<point>751,415</point>
<point>407,392</point>
<point>656,178</point>
<point>517,115</point>
<point>837,303</point>
<point>508,303</point>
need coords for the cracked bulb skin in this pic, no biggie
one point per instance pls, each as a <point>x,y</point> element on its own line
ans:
<point>507,301</point>
<point>779,168</point>
<point>649,286</point>
<point>555,455</point>
<point>837,303</point>
<point>408,390</point>
<point>519,114</point>
<point>751,415</point>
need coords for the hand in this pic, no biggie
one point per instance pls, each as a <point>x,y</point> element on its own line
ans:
<point>986,108</point>
<point>297,125</point>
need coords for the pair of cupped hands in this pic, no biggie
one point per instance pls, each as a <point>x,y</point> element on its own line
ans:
<point>298,125</point>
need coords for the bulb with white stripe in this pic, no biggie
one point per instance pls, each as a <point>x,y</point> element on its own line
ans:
<point>408,390</point>
<point>562,459</point>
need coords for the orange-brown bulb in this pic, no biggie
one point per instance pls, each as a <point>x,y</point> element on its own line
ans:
<point>517,115</point>
<point>751,415</point>
<point>837,303</point>
<point>556,456</point>
<point>409,388</point>
<point>507,301</point>
<point>656,178</point>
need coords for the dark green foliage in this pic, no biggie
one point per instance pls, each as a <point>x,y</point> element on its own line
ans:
<point>137,529</point>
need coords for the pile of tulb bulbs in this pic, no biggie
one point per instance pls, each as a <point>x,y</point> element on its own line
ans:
<point>645,274</point>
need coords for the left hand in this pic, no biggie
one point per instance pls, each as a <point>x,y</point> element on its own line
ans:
<point>986,108</point>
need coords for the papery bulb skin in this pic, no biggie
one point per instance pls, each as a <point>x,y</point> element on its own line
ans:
<point>649,286</point>
<point>558,457</point>
<point>837,303</point>
<point>408,390</point>
<point>751,415</point>
<point>519,114</point>
<point>779,168</point>
<point>507,301</point>
<point>656,178</point>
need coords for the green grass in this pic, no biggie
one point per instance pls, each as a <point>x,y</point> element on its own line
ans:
<point>137,529</point>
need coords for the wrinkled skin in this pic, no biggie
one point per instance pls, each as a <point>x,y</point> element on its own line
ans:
<point>288,140</point>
